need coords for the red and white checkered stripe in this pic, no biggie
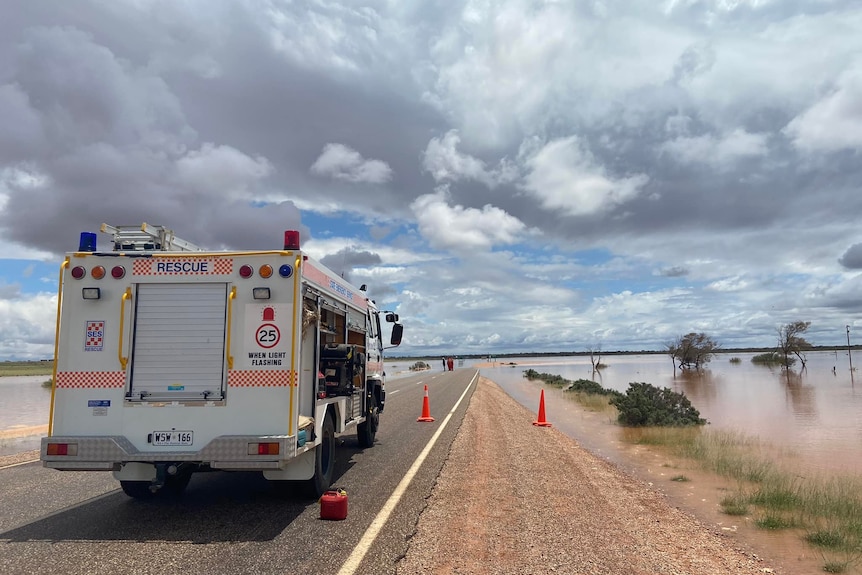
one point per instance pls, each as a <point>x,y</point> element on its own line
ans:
<point>261,378</point>
<point>147,267</point>
<point>90,379</point>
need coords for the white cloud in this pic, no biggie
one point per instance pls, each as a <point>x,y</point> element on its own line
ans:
<point>27,324</point>
<point>460,229</point>
<point>730,284</point>
<point>445,163</point>
<point>221,170</point>
<point>564,176</point>
<point>344,163</point>
<point>719,152</point>
<point>834,122</point>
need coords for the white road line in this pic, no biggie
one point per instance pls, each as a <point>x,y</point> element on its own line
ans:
<point>392,392</point>
<point>352,564</point>
<point>19,463</point>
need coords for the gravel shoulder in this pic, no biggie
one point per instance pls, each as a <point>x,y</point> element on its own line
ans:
<point>517,498</point>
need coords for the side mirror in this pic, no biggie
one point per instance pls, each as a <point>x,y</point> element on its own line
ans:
<point>397,332</point>
<point>391,317</point>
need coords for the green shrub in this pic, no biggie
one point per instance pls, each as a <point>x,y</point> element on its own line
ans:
<point>772,522</point>
<point>770,358</point>
<point>734,504</point>
<point>580,385</point>
<point>826,538</point>
<point>647,405</point>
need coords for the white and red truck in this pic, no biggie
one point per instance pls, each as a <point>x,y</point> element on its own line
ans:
<point>171,360</point>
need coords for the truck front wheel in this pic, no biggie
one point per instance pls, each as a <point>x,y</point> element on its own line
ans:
<point>324,460</point>
<point>367,430</point>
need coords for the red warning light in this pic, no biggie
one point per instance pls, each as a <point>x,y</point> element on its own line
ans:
<point>291,239</point>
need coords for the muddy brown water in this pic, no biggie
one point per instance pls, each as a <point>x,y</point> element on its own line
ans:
<point>812,416</point>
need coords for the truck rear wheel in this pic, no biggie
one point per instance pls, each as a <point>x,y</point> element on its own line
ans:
<point>174,486</point>
<point>137,489</point>
<point>324,460</point>
<point>367,430</point>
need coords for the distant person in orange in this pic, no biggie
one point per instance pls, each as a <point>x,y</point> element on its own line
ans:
<point>450,363</point>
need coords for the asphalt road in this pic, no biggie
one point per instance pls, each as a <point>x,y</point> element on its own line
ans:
<point>80,522</point>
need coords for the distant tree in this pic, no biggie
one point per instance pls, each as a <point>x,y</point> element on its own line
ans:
<point>791,343</point>
<point>596,358</point>
<point>692,350</point>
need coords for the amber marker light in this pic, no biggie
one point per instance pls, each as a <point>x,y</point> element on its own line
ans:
<point>98,272</point>
<point>265,271</point>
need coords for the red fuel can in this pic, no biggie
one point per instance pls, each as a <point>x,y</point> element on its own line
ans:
<point>333,505</point>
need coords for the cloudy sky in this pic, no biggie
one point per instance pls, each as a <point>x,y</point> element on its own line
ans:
<point>508,175</point>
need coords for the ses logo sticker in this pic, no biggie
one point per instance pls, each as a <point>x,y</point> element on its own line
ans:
<point>94,335</point>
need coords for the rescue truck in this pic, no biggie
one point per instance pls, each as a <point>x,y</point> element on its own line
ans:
<point>171,360</point>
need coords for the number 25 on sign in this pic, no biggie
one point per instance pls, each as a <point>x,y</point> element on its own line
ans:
<point>267,335</point>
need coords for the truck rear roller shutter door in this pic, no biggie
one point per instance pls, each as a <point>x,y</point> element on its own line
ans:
<point>179,341</point>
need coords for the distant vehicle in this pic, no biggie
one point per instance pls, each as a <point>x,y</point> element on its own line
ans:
<point>171,360</point>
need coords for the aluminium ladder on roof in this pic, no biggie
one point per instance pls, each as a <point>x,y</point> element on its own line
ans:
<point>147,237</point>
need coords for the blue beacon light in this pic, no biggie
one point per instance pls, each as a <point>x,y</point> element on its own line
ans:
<point>87,242</point>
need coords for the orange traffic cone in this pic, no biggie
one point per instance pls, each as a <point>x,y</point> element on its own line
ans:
<point>541,421</point>
<point>426,409</point>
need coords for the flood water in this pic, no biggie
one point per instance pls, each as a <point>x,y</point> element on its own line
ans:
<point>813,417</point>
<point>24,404</point>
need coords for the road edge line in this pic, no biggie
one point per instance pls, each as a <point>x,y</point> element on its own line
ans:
<point>352,563</point>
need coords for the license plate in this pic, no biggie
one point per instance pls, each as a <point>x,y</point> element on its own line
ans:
<point>173,437</point>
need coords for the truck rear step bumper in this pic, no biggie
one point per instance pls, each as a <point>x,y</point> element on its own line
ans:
<point>226,452</point>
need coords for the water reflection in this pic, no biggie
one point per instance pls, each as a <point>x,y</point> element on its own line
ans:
<point>801,397</point>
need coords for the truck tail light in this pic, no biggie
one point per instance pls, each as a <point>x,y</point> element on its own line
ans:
<point>98,272</point>
<point>246,271</point>
<point>62,449</point>
<point>263,448</point>
<point>118,272</point>
<point>265,271</point>
<point>78,272</point>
